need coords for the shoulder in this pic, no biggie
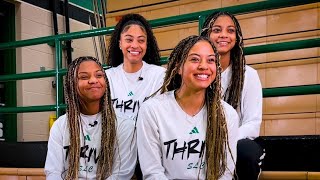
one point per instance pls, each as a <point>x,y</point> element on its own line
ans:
<point>229,110</point>
<point>157,104</point>
<point>113,70</point>
<point>250,71</point>
<point>125,124</point>
<point>59,125</point>
<point>61,120</point>
<point>154,68</point>
<point>158,99</point>
<point>230,113</point>
<point>251,78</point>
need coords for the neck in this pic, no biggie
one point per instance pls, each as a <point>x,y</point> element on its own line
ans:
<point>131,67</point>
<point>190,102</point>
<point>225,61</point>
<point>90,108</point>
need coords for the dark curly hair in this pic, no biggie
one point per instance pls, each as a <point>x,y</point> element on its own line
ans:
<point>237,58</point>
<point>115,56</point>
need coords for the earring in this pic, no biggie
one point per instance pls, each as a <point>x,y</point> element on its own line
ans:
<point>120,48</point>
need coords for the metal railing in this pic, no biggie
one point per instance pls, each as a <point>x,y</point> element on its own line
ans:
<point>186,18</point>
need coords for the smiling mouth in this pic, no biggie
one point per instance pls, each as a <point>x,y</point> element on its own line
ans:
<point>134,52</point>
<point>224,43</point>
<point>202,76</point>
<point>94,88</point>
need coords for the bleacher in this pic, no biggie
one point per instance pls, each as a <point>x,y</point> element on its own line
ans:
<point>290,129</point>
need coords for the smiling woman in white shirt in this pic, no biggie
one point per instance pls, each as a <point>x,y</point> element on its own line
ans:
<point>241,88</point>
<point>88,142</point>
<point>134,57</point>
<point>188,132</point>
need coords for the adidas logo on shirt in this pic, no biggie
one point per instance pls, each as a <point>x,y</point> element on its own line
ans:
<point>87,138</point>
<point>130,93</point>
<point>194,131</point>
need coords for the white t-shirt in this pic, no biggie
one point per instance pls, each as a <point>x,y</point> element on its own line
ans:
<point>128,92</point>
<point>250,112</point>
<point>170,142</point>
<point>90,138</point>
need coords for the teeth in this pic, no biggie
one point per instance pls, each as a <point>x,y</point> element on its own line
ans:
<point>202,76</point>
<point>223,43</point>
<point>134,52</point>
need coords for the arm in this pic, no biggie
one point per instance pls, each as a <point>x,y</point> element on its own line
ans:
<point>149,149</point>
<point>251,107</point>
<point>54,166</point>
<point>232,119</point>
<point>125,157</point>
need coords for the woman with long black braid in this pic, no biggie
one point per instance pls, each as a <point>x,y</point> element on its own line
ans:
<point>89,142</point>
<point>135,60</point>
<point>188,132</point>
<point>241,88</point>
<point>136,73</point>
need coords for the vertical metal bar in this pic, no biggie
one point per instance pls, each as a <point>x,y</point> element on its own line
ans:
<point>202,18</point>
<point>59,88</point>
<point>67,23</point>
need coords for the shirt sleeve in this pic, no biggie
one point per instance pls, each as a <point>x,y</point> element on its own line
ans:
<point>54,166</point>
<point>251,107</point>
<point>232,119</point>
<point>126,154</point>
<point>149,149</point>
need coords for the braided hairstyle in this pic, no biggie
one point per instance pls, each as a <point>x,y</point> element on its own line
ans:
<point>216,133</point>
<point>108,135</point>
<point>237,58</point>
<point>115,56</point>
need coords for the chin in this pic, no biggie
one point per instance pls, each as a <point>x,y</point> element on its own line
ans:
<point>135,61</point>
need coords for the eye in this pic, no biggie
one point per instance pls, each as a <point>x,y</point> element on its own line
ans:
<point>83,77</point>
<point>231,30</point>
<point>211,60</point>
<point>128,40</point>
<point>141,40</point>
<point>216,30</point>
<point>194,59</point>
<point>99,75</point>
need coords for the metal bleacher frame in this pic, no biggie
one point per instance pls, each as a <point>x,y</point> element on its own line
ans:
<point>59,72</point>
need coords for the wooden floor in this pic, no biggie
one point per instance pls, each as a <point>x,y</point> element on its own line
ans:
<point>22,174</point>
<point>38,174</point>
<point>289,175</point>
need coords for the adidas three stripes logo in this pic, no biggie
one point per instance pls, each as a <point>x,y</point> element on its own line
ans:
<point>194,131</point>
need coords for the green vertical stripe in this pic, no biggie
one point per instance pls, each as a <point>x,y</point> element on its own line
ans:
<point>10,95</point>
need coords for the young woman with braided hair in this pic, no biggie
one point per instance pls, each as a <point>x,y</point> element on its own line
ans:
<point>134,56</point>
<point>89,142</point>
<point>188,132</point>
<point>241,88</point>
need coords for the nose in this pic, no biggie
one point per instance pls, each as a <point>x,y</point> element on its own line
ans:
<point>93,80</point>
<point>134,44</point>
<point>223,33</point>
<point>203,65</point>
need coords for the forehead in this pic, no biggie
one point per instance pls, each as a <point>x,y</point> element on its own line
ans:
<point>224,20</point>
<point>201,48</point>
<point>133,29</point>
<point>87,66</point>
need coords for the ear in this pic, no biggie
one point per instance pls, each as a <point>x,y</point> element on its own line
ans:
<point>180,70</point>
<point>120,44</point>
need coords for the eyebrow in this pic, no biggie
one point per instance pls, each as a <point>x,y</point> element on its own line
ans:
<point>195,54</point>
<point>132,36</point>
<point>227,26</point>
<point>85,72</point>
